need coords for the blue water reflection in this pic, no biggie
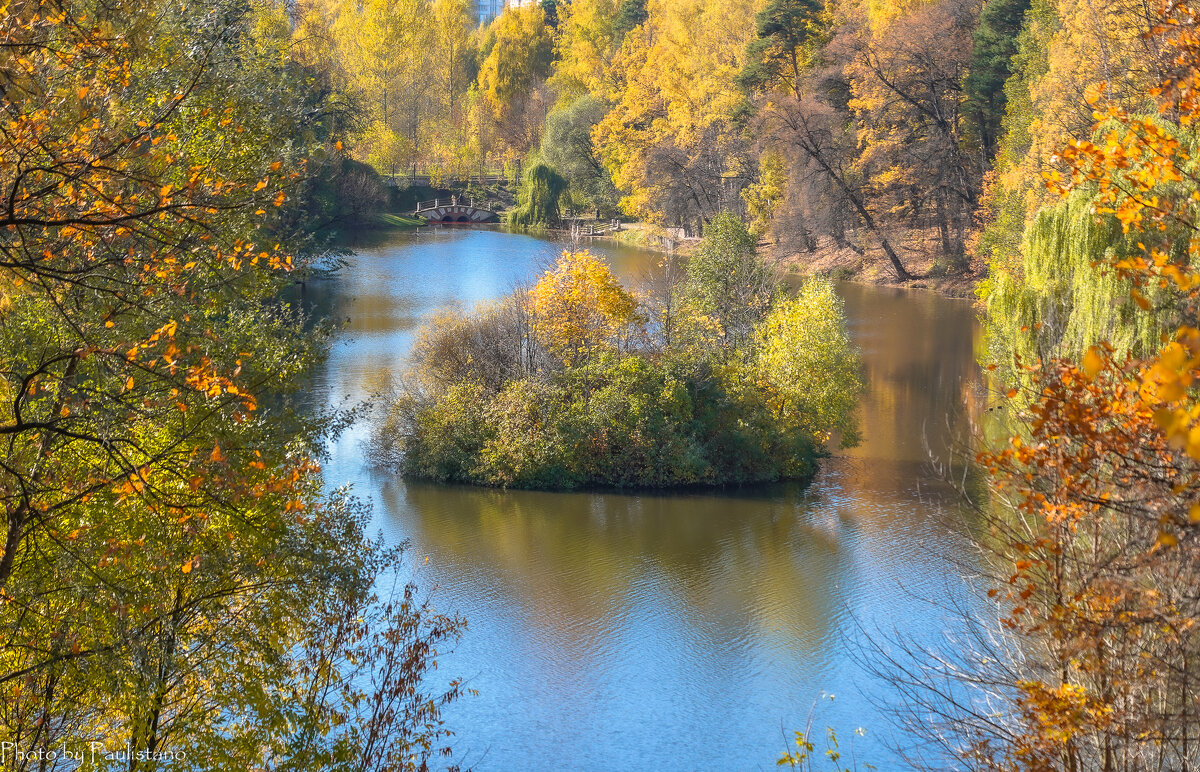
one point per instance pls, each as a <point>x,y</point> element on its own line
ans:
<point>664,632</point>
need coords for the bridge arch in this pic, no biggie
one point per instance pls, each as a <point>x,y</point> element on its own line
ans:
<point>453,210</point>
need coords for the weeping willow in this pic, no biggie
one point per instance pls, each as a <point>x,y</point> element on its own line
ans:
<point>1066,297</point>
<point>1059,294</point>
<point>537,202</point>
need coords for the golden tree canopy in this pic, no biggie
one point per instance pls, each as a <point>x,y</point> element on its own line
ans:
<point>579,307</point>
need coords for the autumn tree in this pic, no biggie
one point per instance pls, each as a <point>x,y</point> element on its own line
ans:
<point>453,53</point>
<point>578,307</point>
<point>382,53</point>
<point>765,194</point>
<point>1097,492</point>
<point>671,140</point>
<point>405,67</point>
<point>808,366</point>
<point>447,146</point>
<point>906,80</point>
<point>167,552</point>
<point>516,53</point>
<point>1061,51</point>
<point>587,39</point>
<point>811,118</point>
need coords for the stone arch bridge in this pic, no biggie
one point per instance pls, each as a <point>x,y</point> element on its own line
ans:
<point>454,210</point>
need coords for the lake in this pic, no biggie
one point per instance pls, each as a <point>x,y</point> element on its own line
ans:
<point>689,631</point>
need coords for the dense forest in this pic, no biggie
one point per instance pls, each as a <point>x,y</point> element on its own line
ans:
<point>917,133</point>
<point>896,128</point>
<point>178,579</point>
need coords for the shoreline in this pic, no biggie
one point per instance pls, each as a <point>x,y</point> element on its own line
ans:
<point>868,266</point>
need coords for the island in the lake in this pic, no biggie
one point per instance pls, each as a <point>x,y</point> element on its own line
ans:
<point>716,375</point>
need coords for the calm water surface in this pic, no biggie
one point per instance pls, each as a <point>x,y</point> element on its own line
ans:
<point>665,632</point>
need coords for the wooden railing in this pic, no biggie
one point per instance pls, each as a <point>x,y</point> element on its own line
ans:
<point>595,229</point>
<point>425,206</point>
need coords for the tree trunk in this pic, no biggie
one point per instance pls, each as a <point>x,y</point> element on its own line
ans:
<point>809,144</point>
<point>943,225</point>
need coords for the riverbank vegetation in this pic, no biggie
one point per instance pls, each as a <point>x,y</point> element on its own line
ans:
<point>719,378</point>
<point>1095,515</point>
<point>849,133</point>
<point>175,587</point>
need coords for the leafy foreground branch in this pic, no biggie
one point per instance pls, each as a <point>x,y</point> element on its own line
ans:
<point>713,377</point>
<point>1094,525</point>
<point>174,585</point>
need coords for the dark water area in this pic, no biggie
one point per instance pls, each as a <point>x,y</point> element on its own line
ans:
<point>687,631</point>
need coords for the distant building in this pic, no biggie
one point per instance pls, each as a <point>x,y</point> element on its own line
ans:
<point>490,9</point>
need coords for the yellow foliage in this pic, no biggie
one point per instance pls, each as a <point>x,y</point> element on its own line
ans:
<point>1086,42</point>
<point>579,308</point>
<point>675,85</point>
<point>807,367</point>
<point>766,193</point>
<point>585,46</point>
<point>518,45</point>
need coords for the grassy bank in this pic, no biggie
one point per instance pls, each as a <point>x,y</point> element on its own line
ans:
<point>401,221</point>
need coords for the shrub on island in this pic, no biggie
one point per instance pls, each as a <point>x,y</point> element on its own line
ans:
<point>720,378</point>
